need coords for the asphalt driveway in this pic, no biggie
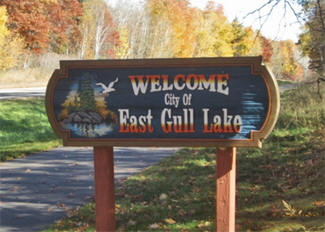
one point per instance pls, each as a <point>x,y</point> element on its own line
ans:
<point>38,190</point>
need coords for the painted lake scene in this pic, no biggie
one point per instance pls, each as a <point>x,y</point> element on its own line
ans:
<point>85,110</point>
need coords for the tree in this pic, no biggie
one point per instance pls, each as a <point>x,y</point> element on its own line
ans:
<point>87,97</point>
<point>312,41</point>
<point>31,24</point>
<point>99,33</point>
<point>267,49</point>
<point>244,39</point>
<point>44,23</point>
<point>63,16</point>
<point>284,61</point>
<point>123,49</point>
<point>11,45</point>
<point>87,29</point>
<point>215,33</point>
<point>180,19</point>
<point>222,29</point>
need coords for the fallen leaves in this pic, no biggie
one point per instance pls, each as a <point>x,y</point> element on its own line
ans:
<point>290,211</point>
<point>319,203</point>
<point>274,210</point>
<point>170,221</point>
<point>154,226</point>
<point>163,196</point>
<point>204,224</point>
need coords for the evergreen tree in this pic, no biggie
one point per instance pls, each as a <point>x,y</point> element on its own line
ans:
<point>87,97</point>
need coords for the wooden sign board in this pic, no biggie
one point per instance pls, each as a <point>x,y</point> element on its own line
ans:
<point>227,102</point>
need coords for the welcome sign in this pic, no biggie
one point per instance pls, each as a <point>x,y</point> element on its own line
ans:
<point>163,102</point>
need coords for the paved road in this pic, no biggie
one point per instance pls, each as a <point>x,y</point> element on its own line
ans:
<point>285,87</point>
<point>39,189</point>
<point>22,93</point>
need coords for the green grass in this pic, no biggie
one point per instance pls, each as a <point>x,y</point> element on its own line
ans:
<point>24,128</point>
<point>279,188</point>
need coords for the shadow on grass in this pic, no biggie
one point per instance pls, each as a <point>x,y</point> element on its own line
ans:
<point>24,128</point>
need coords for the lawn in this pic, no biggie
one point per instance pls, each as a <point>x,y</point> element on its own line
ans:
<point>24,128</point>
<point>279,187</point>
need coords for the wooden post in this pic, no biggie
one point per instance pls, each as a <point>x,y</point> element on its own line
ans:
<point>225,189</point>
<point>104,189</point>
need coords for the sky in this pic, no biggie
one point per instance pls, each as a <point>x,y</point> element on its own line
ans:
<point>277,27</point>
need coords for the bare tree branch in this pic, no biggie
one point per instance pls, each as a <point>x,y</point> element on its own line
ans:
<point>266,16</point>
<point>259,9</point>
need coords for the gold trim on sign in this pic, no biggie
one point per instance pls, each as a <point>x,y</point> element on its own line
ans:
<point>255,64</point>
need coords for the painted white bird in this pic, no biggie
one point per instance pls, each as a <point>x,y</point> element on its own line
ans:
<point>109,87</point>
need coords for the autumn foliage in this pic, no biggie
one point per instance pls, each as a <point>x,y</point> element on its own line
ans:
<point>91,29</point>
<point>11,45</point>
<point>45,23</point>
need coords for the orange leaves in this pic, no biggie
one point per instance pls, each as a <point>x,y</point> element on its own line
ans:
<point>267,49</point>
<point>32,25</point>
<point>52,21</point>
<point>63,16</point>
<point>319,203</point>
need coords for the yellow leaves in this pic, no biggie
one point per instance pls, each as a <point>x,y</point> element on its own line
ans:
<point>122,50</point>
<point>3,20</point>
<point>11,45</point>
<point>71,100</point>
<point>204,224</point>
<point>181,20</point>
<point>170,221</point>
<point>50,1</point>
<point>290,210</point>
<point>215,34</point>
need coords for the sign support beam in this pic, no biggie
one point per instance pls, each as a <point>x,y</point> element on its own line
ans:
<point>104,188</point>
<point>225,189</point>
<point>87,103</point>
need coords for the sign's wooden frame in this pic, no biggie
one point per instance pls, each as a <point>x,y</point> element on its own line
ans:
<point>257,68</point>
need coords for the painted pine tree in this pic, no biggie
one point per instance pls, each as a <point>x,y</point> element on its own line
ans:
<point>87,97</point>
